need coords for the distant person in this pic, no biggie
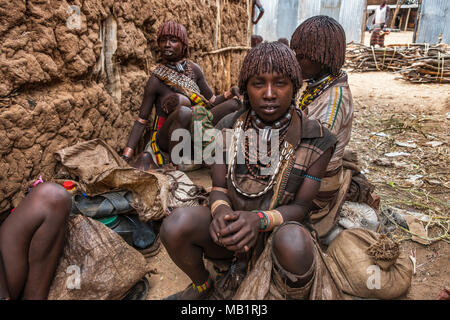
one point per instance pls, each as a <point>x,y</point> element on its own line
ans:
<point>257,4</point>
<point>31,242</point>
<point>255,40</point>
<point>381,20</point>
<point>284,41</point>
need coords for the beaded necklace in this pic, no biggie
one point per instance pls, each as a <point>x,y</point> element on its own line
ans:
<point>285,154</point>
<point>315,89</point>
<point>253,122</point>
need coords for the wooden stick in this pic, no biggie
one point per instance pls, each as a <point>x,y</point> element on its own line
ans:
<point>227,49</point>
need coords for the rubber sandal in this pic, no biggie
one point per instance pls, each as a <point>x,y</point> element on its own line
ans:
<point>153,250</point>
<point>143,234</point>
<point>104,205</point>
<point>139,291</point>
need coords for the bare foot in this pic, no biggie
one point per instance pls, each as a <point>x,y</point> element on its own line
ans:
<point>144,162</point>
<point>191,294</point>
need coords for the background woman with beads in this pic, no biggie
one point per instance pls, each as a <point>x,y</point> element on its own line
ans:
<point>246,204</point>
<point>319,44</point>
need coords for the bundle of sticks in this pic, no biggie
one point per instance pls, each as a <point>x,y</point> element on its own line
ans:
<point>420,63</point>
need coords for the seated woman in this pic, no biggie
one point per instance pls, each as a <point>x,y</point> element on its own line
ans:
<point>319,44</point>
<point>253,198</point>
<point>31,242</point>
<point>176,74</point>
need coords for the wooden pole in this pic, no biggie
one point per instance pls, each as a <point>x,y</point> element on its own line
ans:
<point>228,85</point>
<point>363,27</point>
<point>407,19</point>
<point>397,9</point>
<point>226,49</point>
<point>416,23</point>
<point>249,23</point>
<point>217,33</point>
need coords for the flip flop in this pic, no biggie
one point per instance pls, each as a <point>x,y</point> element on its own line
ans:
<point>139,291</point>
<point>104,205</point>
<point>153,250</point>
<point>143,234</point>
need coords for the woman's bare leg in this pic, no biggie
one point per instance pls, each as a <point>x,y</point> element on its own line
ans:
<point>31,241</point>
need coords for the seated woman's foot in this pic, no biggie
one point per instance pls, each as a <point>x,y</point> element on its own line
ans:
<point>189,167</point>
<point>144,162</point>
<point>191,293</point>
<point>230,281</point>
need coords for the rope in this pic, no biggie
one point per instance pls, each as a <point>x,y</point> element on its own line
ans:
<point>392,58</point>
<point>194,194</point>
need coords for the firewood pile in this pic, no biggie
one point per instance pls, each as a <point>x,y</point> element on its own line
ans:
<point>418,63</point>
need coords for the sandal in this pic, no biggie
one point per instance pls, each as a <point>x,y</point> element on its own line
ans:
<point>139,291</point>
<point>153,250</point>
<point>143,234</point>
<point>103,205</point>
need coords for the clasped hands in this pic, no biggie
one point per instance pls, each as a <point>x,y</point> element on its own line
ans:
<point>235,230</point>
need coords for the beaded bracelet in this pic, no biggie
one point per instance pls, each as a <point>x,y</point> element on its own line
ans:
<point>203,286</point>
<point>269,219</point>
<point>263,219</point>
<point>312,178</point>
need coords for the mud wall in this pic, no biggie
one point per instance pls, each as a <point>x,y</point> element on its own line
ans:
<point>73,71</point>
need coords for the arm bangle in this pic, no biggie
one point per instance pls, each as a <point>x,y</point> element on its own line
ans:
<point>212,100</point>
<point>220,189</point>
<point>142,121</point>
<point>218,203</point>
<point>128,152</point>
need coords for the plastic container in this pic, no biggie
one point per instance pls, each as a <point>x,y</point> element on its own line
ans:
<point>69,186</point>
<point>121,225</point>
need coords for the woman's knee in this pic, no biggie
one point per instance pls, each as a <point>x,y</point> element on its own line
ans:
<point>54,198</point>
<point>184,116</point>
<point>293,248</point>
<point>181,225</point>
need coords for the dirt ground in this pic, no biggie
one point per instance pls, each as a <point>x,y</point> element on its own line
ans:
<point>397,111</point>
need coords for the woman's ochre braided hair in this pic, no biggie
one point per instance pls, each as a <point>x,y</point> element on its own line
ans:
<point>321,39</point>
<point>172,28</point>
<point>269,57</point>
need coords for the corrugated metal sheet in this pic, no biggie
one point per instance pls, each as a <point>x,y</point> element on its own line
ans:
<point>434,20</point>
<point>352,19</point>
<point>281,17</point>
<point>349,13</point>
<point>266,27</point>
<point>287,18</point>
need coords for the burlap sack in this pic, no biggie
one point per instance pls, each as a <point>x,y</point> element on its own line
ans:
<point>100,169</point>
<point>182,191</point>
<point>359,274</point>
<point>96,264</point>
